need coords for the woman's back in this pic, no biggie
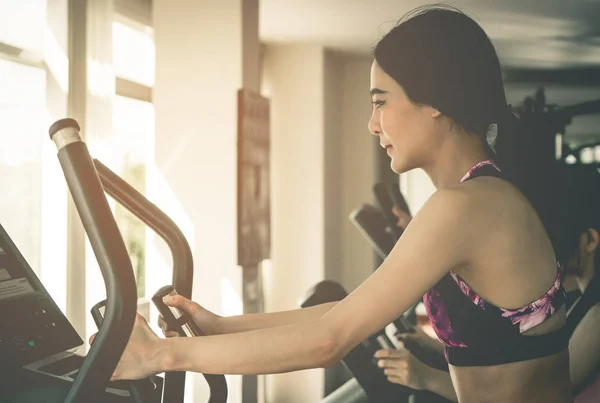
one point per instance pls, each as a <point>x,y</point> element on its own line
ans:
<point>544,380</point>
<point>514,262</point>
<point>512,265</point>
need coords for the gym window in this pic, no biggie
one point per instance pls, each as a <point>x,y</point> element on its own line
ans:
<point>33,202</point>
<point>133,128</point>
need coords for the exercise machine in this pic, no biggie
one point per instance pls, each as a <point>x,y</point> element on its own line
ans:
<point>36,339</point>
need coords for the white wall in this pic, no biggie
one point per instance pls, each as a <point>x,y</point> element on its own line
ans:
<point>323,167</point>
<point>357,148</point>
<point>199,59</point>
<point>333,155</point>
<point>294,81</point>
<point>416,188</point>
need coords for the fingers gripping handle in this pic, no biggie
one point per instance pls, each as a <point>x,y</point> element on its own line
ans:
<point>185,326</point>
<point>175,318</point>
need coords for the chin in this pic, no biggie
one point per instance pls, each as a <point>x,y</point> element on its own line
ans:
<point>399,167</point>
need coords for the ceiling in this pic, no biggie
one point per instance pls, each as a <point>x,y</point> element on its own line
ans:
<point>546,34</point>
<point>558,40</point>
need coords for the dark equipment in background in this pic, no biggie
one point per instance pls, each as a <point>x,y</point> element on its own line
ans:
<point>384,199</point>
<point>541,122</point>
<point>372,222</point>
<point>359,361</point>
<point>372,225</point>
<point>543,142</point>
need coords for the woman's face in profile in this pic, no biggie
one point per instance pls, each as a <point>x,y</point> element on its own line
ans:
<point>407,131</point>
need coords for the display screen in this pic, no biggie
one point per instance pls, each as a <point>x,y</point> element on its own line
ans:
<point>33,327</point>
<point>14,281</point>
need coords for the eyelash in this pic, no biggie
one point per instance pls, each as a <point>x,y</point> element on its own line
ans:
<point>378,104</point>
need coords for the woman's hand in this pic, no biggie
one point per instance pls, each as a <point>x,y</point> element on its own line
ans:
<point>207,321</point>
<point>138,360</point>
<point>401,367</point>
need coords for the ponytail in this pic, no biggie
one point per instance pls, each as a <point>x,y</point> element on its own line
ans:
<point>518,152</point>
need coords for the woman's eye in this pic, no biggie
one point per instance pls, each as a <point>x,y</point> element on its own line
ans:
<point>378,104</point>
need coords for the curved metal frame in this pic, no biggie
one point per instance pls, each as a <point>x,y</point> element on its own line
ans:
<point>88,180</point>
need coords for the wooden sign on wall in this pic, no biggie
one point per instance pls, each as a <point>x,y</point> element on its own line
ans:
<point>254,210</point>
<point>254,205</point>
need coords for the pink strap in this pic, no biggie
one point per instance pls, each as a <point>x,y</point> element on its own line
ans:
<point>476,167</point>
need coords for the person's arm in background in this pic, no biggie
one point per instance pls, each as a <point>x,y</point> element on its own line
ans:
<point>402,367</point>
<point>421,338</point>
<point>584,347</point>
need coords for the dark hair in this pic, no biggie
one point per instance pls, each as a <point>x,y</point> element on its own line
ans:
<point>441,57</point>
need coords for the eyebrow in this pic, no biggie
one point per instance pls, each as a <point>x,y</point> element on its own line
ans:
<point>377,91</point>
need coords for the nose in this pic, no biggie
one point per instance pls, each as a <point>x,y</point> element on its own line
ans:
<point>373,125</point>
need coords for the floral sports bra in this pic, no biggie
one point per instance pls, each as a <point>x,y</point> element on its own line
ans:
<point>478,333</point>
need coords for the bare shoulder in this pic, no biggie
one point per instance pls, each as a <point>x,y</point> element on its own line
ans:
<point>450,204</point>
<point>449,211</point>
<point>492,201</point>
<point>477,198</point>
<point>494,191</point>
<point>509,236</point>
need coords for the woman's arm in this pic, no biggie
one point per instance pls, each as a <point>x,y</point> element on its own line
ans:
<point>212,324</point>
<point>584,347</point>
<point>256,321</point>
<point>437,240</point>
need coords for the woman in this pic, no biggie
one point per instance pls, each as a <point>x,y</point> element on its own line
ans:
<point>436,88</point>
<point>576,198</point>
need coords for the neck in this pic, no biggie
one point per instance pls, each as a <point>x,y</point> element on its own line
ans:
<point>587,274</point>
<point>457,154</point>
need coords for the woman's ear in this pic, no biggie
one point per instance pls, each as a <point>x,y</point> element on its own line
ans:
<point>592,240</point>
